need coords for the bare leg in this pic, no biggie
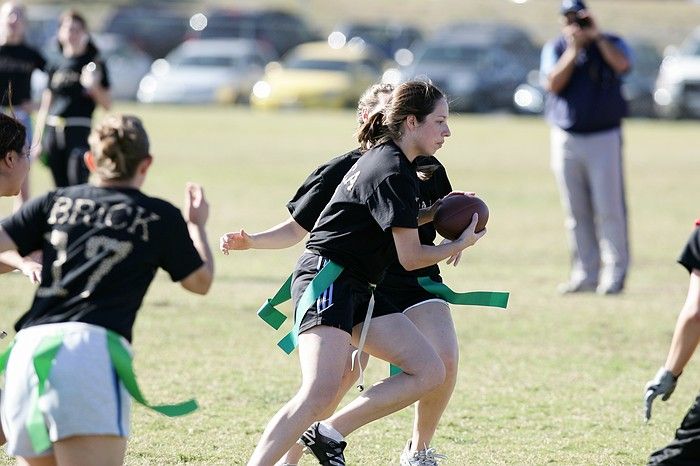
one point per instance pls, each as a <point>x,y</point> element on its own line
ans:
<point>320,350</point>
<point>293,456</point>
<point>82,450</point>
<point>395,339</point>
<point>90,450</point>
<point>434,321</point>
<point>36,461</point>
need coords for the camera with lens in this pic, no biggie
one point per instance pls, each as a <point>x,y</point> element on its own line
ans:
<point>583,22</point>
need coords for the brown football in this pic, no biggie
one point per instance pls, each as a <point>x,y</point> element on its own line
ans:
<point>454,215</point>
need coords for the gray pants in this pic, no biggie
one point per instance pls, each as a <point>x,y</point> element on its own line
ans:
<point>588,170</point>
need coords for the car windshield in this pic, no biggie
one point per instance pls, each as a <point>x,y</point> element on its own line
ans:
<point>220,61</point>
<point>311,64</point>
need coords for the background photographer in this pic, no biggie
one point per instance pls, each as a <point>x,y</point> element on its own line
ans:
<point>583,69</point>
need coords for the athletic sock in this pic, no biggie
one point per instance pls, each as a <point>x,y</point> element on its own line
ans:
<point>328,431</point>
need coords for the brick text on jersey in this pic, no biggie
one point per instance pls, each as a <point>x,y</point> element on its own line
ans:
<point>102,215</point>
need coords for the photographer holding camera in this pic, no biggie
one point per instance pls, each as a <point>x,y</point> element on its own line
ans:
<point>582,71</point>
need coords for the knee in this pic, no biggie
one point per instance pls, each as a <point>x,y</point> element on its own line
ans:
<point>450,359</point>
<point>318,398</point>
<point>432,374</point>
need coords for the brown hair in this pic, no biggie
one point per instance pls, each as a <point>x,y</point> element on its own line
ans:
<point>416,98</point>
<point>91,49</point>
<point>13,135</point>
<point>118,144</point>
<point>370,98</point>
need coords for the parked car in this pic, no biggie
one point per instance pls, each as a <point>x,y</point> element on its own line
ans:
<point>386,37</point>
<point>125,63</point>
<point>155,28</point>
<point>478,65</point>
<point>280,29</point>
<point>637,87</point>
<point>677,92</point>
<point>317,75</point>
<point>205,71</point>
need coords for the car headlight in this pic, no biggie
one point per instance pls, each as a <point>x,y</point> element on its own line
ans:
<point>262,89</point>
<point>529,99</point>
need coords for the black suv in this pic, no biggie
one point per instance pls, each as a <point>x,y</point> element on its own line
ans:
<point>155,29</point>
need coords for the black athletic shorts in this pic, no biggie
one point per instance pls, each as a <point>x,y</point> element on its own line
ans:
<point>404,292</point>
<point>343,305</point>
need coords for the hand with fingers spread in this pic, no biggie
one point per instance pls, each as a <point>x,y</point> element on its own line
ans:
<point>454,260</point>
<point>236,241</point>
<point>32,270</point>
<point>196,206</point>
<point>663,384</point>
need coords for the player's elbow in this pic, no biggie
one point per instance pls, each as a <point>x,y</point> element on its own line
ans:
<point>199,282</point>
<point>410,263</point>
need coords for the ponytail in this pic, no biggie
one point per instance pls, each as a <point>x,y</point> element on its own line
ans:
<point>373,131</point>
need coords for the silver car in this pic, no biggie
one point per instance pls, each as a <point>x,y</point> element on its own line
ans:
<point>677,92</point>
<point>206,71</point>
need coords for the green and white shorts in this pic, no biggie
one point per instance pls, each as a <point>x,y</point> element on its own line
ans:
<point>83,395</point>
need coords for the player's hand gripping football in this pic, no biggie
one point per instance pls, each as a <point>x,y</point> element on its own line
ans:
<point>469,237</point>
<point>663,384</point>
<point>196,206</point>
<point>235,240</point>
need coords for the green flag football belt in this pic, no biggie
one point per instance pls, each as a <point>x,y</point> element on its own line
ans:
<point>43,360</point>
<point>275,318</point>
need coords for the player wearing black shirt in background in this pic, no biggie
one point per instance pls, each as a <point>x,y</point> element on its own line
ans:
<point>78,82</point>
<point>17,62</point>
<point>102,245</point>
<point>375,208</point>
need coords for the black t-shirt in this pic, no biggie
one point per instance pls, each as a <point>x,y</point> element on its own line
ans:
<point>313,196</point>
<point>69,97</point>
<point>17,62</point>
<point>431,190</point>
<point>379,192</point>
<point>101,249</point>
<point>690,257</point>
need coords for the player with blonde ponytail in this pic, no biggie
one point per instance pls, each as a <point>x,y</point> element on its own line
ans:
<point>102,244</point>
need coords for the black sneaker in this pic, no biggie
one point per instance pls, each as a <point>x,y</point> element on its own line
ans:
<point>329,452</point>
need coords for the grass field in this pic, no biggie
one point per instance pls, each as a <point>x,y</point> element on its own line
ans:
<point>552,380</point>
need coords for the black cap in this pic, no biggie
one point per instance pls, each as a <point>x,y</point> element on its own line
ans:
<point>572,6</point>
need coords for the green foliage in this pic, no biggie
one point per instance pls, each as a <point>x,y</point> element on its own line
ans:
<point>552,380</point>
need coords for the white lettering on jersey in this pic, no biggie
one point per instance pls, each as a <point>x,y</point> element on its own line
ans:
<point>60,210</point>
<point>59,240</point>
<point>116,217</point>
<point>350,178</point>
<point>142,222</point>
<point>114,209</point>
<point>83,207</point>
<point>110,251</point>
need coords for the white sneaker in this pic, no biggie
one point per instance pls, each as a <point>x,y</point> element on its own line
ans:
<point>427,457</point>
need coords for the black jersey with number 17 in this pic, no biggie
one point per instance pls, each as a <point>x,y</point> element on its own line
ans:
<point>379,192</point>
<point>101,249</point>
